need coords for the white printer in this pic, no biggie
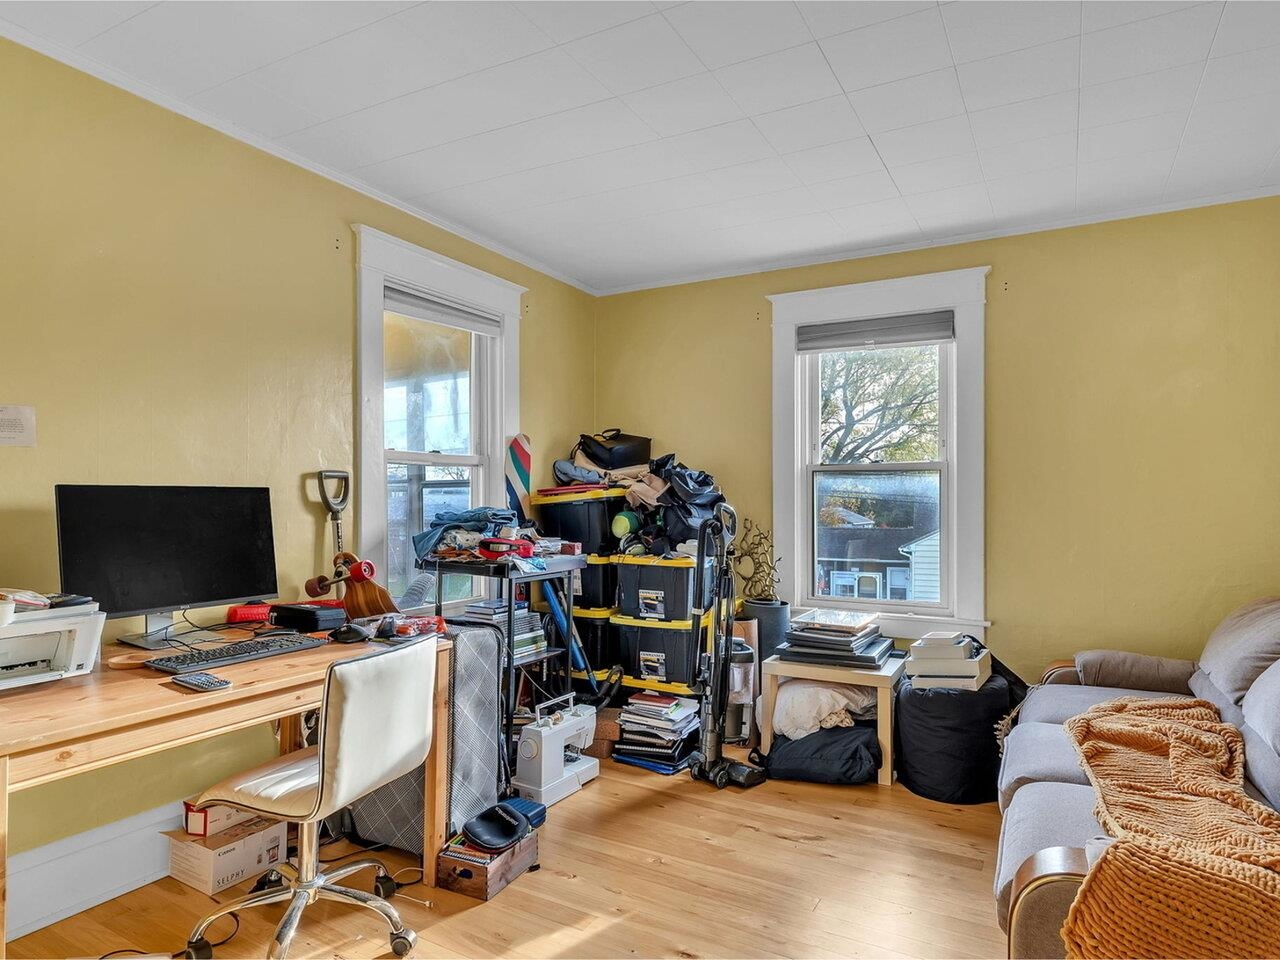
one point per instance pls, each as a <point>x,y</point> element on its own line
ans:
<point>50,644</point>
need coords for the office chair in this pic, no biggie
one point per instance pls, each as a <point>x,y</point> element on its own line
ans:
<point>375,726</point>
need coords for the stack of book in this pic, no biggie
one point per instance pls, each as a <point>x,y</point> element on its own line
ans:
<point>529,638</point>
<point>836,638</point>
<point>659,732</point>
<point>947,659</point>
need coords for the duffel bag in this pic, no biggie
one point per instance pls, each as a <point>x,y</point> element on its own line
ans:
<point>612,449</point>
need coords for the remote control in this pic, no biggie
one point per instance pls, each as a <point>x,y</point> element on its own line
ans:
<point>201,682</point>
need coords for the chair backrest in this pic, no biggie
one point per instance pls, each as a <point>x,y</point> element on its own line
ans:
<point>375,721</point>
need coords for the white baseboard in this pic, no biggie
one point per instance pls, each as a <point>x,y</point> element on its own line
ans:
<point>50,883</point>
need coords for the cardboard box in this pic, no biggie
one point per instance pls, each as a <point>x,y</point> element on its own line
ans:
<point>213,863</point>
<point>214,819</point>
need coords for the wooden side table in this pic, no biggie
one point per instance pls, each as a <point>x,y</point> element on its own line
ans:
<point>884,680</point>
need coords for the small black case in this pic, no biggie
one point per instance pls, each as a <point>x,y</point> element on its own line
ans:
<point>306,617</point>
<point>612,449</point>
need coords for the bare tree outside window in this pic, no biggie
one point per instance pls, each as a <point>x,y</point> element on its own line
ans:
<point>879,406</point>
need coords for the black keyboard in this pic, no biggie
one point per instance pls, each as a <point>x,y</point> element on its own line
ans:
<point>238,652</point>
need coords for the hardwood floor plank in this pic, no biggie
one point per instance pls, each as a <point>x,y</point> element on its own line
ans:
<point>639,865</point>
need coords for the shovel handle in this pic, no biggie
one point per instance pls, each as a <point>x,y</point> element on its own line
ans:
<point>337,503</point>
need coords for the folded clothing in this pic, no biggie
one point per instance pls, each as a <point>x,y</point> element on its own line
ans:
<point>807,706</point>
<point>488,521</point>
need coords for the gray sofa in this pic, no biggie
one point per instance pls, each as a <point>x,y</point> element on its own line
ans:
<point>1049,835</point>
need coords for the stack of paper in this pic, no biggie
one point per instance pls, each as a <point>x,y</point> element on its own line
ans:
<point>659,732</point>
<point>836,638</point>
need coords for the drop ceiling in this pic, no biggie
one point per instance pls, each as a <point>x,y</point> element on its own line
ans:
<point>621,144</point>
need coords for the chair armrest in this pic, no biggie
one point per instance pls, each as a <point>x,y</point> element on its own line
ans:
<point>1061,671</point>
<point>1042,891</point>
<point>1135,671</point>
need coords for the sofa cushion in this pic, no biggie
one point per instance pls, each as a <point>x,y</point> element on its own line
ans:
<point>1243,645</point>
<point>1058,703</point>
<point>1041,815</point>
<point>1261,706</point>
<point>1202,686</point>
<point>1037,752</point>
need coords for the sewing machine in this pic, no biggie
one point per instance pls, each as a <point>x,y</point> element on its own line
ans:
<point>50,644</point>
<point>551,765</point>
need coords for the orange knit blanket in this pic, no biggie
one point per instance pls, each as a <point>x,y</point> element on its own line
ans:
<point>1195,867</point>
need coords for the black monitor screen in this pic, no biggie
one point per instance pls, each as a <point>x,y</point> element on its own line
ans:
<point>154,549</point>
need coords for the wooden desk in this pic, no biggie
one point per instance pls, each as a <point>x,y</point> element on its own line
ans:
<point>883,679</point>
<point>58,729</point>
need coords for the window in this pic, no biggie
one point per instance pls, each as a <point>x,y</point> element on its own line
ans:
<point>878,449</point>
<point>438,384</point>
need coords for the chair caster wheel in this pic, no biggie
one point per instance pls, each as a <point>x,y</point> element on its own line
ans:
<point>402,943</point>
<point>198,950</point>
<point>268,881</point>
<point>384,886</point>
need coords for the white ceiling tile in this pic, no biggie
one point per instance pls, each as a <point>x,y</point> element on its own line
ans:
<point>1029,156</point>
<point>1256,118</point>
<point>539,85</point>
<point>1222,166</point>
<point>986,28</point>
<point>925,141</point>
<point>1050,194</point>
<point>835,161</point>
<point>565,20</point>
<point>723,146</point>
<point>1023,75</point>
<point>1240,75</point>
<point>1247,26</point>
<point>1272,177</point>
<point>893,50</point>
<point>184,48</point>
<point>1101,14</point>
<point>1028,120</point>
<point>854,191</point>
<point>747,179</point>
<point>810,124</point>
<point>1167,91</point>
<point>1145,135</point>
<point>940,174</point>
<point>683,105</point>
<point>795,202</point>
<point>829,17</point>
<point>466,37</point>
<point>255,108</point>
<point>1123,183</point>
<point>731,30</point>
<point>779,80</point>
<point>808,235</point>
<point>1148,45</point>
<point>596,128</point>
<point>71,22</point>
<point>639,54</point>
<point>955,211</point>
<point>891,214</point>
<point>903,103</point>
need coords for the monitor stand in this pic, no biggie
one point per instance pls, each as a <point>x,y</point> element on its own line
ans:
<point>158,634</point>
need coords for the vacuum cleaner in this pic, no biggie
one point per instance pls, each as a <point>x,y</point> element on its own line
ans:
<point>715,543</point>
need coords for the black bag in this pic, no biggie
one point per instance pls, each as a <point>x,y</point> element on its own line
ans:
<point>836,755</point>
<point>690,498</point>
<point>612,449</point>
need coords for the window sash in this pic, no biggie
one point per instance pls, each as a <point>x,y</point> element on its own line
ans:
<point>809,371</point>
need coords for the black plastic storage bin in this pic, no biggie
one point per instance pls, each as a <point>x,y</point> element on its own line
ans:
<point>659,651</point>
<point>599,637</point>
<point>585,518</point>
<point>658,588</point>
<point>595,586</point>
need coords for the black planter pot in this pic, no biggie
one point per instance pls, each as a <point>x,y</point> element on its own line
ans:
<point>773,618</point>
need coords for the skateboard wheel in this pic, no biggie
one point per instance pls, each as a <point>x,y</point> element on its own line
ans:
<point>362,572</point>
<point>316,586</point>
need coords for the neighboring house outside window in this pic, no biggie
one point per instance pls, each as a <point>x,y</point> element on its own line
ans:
<point>878,449</point>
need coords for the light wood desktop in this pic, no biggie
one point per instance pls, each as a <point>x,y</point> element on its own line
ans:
<point>54,730</point>
<point>883,679</point>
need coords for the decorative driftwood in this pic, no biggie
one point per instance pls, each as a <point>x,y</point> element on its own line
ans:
<point>756,563</point>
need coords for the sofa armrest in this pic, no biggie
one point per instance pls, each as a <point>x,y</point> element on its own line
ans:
<point>1061,671</point>
<point>1041,894</point>
<point>1135,671</point>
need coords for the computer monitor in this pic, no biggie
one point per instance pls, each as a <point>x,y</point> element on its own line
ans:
<point>151,551</point>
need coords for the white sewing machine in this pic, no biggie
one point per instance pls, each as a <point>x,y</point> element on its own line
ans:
<point>50,644</point>
<point>551,765</point>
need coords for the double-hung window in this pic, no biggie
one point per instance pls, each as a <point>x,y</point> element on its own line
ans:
<point>878,449</point>
<point>438,383</point>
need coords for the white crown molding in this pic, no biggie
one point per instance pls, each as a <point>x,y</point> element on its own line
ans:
<point>79,61</point>
<point>146,91</point>
<point>863,253</point>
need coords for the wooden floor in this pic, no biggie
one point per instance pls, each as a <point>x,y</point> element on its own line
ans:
<point>640,865</point>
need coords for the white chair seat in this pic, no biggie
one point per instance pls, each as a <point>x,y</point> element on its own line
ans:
<point>286,788</point>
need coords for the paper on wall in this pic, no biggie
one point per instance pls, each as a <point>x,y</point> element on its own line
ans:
<point>17,426</point>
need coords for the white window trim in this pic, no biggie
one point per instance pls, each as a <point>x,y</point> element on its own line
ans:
<point>382,259</point>
<point>964,292</point>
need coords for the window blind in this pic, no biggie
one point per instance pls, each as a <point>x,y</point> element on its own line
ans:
<point>439,311</point>
<point>876,331</point>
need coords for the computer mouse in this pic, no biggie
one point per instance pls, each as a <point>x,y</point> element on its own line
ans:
<point>350,633</point>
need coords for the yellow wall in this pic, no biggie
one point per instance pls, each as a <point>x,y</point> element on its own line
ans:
<point>180,308</point>
<point>1133,384</point>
